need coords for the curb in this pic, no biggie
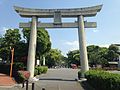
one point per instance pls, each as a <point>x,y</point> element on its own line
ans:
<point>9,86</point>
<point>81,79</point>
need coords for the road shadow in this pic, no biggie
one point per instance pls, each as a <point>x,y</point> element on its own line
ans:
<point>86,86</point>
<point>56,79</point>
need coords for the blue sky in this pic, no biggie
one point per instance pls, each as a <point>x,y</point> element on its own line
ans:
<point>106,33</point>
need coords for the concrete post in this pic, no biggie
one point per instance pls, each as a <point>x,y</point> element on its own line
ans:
<point>82,46</point>
<point>43,60</point>
<point>32,47</point>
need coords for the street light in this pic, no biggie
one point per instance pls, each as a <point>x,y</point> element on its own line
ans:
<point>11,65</point>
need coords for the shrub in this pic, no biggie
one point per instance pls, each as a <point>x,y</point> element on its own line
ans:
<point>45,68</point>
<point>18,66</point>
<point>36,72</point>
<point>40,69</point>
<point>102,80</point>
<point>19,77</point>
<point>5,68</point>
<point>22,76</point>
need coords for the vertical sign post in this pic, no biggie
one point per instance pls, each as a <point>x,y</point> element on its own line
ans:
<point>11,66</point>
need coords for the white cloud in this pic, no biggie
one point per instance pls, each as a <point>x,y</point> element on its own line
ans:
<point>72,44</point>
<point>3,30</point>
<point>101,45</point>
<point>95,30</point>
<point>104,45</point>
<point>50,39</point>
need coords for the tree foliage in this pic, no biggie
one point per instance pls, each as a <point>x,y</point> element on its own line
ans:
<point>8,41</point>
<point>73,57</point>
<point>43,40</point>
<point>96,55</point>
<point>12,38</point>
<point>53,58</point>
<point>112,54</point>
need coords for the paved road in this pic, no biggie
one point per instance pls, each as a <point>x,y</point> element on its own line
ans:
<point>60,79</point>
<point>61,73</point>
<point>55,79</point>
<point>117,72</point>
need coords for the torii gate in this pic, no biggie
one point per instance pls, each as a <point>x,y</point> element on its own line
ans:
<point>57,14</point>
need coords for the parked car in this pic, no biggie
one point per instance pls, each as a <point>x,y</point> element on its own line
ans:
<point>74,66</point>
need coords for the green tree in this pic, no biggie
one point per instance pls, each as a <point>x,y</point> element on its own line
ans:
<point>21,52</point>
<point>10,39</point>
<point>114,48</point>
<point>73,57</point>
<point>53,58</point>
<point>96,55</point>
<point>112,54</point>
<point>43,40</point>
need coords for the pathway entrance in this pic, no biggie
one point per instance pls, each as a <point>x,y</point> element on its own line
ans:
<point>60,74</point>
<point>55,79</point>
<point>59,79</point>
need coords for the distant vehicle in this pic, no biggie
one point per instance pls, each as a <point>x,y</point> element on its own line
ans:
<point>74,66</point>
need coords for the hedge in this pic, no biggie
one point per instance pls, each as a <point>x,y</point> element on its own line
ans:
<point>102,80</point>
<point>5,68</point>
<point>20,78</point>
<point>40,69</point>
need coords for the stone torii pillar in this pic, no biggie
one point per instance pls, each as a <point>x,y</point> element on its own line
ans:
<point>32,46</point>
<point>82,46</point>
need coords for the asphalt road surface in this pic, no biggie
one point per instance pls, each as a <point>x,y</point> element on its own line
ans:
<point>59,79</point>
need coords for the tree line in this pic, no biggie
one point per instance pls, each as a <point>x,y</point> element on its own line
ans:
<point>96,55</point>
<point>20,42</point>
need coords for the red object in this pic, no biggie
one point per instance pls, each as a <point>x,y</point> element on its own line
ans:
<point>26,74</point>
<point>74,66</point>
